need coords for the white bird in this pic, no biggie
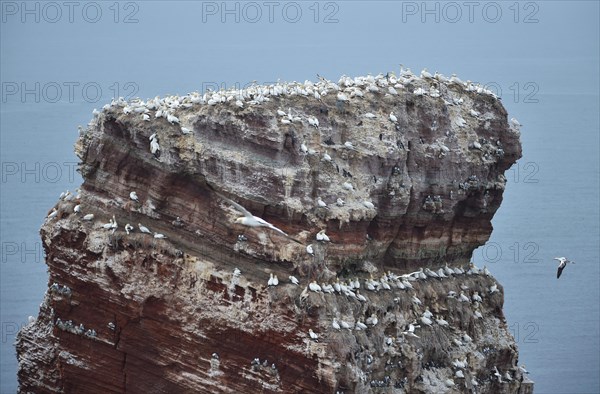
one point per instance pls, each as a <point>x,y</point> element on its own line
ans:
<point>154,146</point>
<point>339,202</point>
<point>562,263</point>
<point>108,225</point>
<point>348,186</point>
<point>477,297</point>
<point>507,376</point>
<point>159,236</point>
<point>345,325</point>
<point>360,297</point>
<point>310,250</point>
<point>275,280</point>
<point>172,119</point>
<point>449,383</point>
<point>463,297</point>
<point>144,229</point>
<point>410,331</point>
<point>294,280</point>
<point>250,220</point>
<point>393,117</point>
<point>459,374</point>
<point>497,374</point>
<point>416,300</point>
<point>280,112</point>
<point>313,286</point>
<point>237,272</point>
<point>312,334</point>
<point>442,322</point>
<point>77,208</point>
<point>373,320</point>
<point>185,130</point>
<point>426,321</point>
<point>523,370</point>
<point>321,236</point>
<point>88,217</point>
<point>321,203</point>
<point>493,288</point>
<point>326,156</point>
<point>313,121</point>
<point>368,204</point>
<point>360,326</point>
<point>133,196</point>
<point>369,115</point>
<point>128,228</point>
<point>348,145</point>
<point>335,324</point>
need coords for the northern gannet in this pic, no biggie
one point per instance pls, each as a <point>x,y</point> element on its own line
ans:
<point>88,217</point>
<point>321,236</point>
<point>312,334</point>
<point>313,286</point>
<point>128,228</point>
<point>310,250</point>
<point>335,324</point>
<point>348,186</point>
<point>159,236</point>
<point>294,280</point>
<point>562,263</point>
<point>321,203</point>
<point>393,117</point>
<point>77,208</point>
<point>373,320</point>
<point>368,204</point>
<point>250,220</point>
<point>144,229</point>
<point>326,156</point>
<point>345,325</point>
<point>273,280</point>
<point>313,121</point>
<point>133,196</point>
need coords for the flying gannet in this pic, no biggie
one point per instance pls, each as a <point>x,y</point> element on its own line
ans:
<point>562,263</point>
<point>250,220</point>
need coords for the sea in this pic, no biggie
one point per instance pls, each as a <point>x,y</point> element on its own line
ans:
<point>540,57</point>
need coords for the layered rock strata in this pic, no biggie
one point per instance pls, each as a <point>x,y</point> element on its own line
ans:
<point>404,174</point>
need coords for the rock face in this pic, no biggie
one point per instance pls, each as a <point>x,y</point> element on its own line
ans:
<point>128,312</point>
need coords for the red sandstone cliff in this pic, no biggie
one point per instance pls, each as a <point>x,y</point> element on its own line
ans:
<point>154,311</point>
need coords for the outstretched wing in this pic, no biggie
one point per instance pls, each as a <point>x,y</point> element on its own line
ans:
<point>247,214</point>
<point>560,270</point>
